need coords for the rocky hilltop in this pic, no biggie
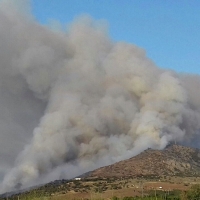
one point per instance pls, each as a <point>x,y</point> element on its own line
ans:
<point>174,160</point>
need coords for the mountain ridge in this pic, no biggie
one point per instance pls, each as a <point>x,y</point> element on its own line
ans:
<point>174,160</point>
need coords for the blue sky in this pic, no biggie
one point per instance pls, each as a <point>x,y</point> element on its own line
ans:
<point>168,30</point>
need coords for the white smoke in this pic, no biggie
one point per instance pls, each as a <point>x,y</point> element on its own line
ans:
<point>88,101</point>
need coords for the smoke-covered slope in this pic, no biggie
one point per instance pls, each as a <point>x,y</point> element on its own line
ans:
<point>175,160</point>
<point>88,101</point>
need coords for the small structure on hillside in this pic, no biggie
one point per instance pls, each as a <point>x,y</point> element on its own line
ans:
<point>77,179</point>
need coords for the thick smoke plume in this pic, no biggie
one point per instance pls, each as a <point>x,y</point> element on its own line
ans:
<point>88,101</point>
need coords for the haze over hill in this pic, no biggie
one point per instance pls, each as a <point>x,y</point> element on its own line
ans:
<point>175,164</point>
<point>89,102</point>
<point>174,160</point>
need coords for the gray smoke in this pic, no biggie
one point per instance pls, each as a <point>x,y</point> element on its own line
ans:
<point>71,101</point>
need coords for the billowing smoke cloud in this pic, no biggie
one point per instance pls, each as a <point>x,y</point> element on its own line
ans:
<point>88,101</point>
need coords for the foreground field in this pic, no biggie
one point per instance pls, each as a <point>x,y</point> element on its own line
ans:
<point>162,187</point>
<point>127,188</point>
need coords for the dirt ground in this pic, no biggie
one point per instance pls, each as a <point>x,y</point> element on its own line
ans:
<point>165,186</point>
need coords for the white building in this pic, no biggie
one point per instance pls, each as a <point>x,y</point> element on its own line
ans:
<point>77,179</point>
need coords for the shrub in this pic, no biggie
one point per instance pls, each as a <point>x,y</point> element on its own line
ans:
<point>194,192</point>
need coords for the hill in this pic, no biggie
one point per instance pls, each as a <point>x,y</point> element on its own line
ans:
<point>174,160</point>
<point>175,167</point>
